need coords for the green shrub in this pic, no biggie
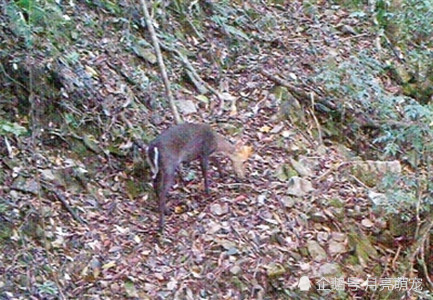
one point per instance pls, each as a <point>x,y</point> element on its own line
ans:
<point>30,18</point>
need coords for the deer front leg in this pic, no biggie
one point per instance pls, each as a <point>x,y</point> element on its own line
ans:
<point>162,184</point>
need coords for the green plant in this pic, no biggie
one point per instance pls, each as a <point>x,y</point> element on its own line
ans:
<point>403,122</point>
<point>7,128</point>
<point>411,137</point>
<point>408,25</point>
<point>355,75</point>
<point>223,22</point>
<point>404,128</point>
<point>47,288</point>
<point>110,6</point>
<point>30,18</point>
<point>410,20</point>
<point>401,197</point>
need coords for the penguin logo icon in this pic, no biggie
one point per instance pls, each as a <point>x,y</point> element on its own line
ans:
<point>304,283</point>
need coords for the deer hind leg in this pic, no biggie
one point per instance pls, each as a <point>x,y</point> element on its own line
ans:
<point>204,162</point>
<point>215,161</point>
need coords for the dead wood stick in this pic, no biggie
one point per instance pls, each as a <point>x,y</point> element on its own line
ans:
<point>192,73</point>
<point>60,197</point>
<point>299,93</point>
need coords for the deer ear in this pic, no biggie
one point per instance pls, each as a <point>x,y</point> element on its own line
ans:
<point>245,152</point>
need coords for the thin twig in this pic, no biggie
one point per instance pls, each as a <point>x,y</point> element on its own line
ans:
<point>319,129</point>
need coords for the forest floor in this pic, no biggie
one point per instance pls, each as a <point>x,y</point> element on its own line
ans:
<point>79,216</point>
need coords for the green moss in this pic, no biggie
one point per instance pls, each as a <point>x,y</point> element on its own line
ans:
<point>133,189</point>
<point>368,178</point>
<point>5,231</point>
<point>351,260</point>
<point>363,247</point>
<point>238,283</point>
<point>336,202</point>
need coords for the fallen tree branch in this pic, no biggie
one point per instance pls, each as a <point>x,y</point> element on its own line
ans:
<point>419,246</point>
<point>297,92</point>
<point>193,75</point>
<point>57,195</point>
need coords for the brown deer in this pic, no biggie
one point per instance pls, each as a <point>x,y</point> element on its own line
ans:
<point>184,143</point>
